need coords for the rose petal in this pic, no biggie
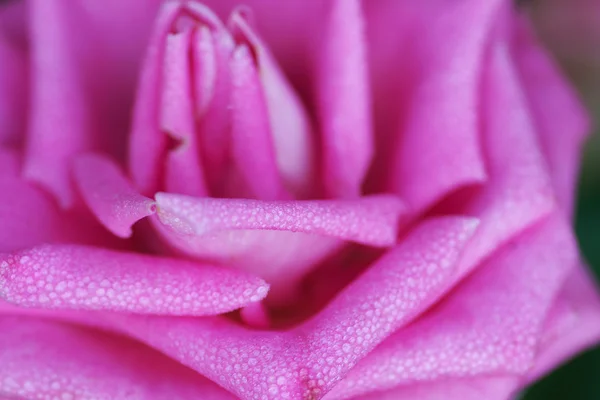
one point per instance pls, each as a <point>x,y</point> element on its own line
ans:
<point>109,194</point>
<point>270,238</point>
<point>88,278</point>
<point>184,172</point>
<point>13,92</point>
<point>476,330</point>
<point>489,388</point>
<point>10,163</point>
<point>519,191</point>
<point>561,121</point>
<point>289,122</point>
<point>252,144</point>
<point>49,360</point>
<point>307,361</point>
<point>147,143</point>
<point>28,217</point>
<point>573,324</point>
<point>343,94</point>
<point>438,149</point>
<point>59,124</point>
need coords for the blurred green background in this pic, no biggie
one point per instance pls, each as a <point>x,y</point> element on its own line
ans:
<point>571,30</point>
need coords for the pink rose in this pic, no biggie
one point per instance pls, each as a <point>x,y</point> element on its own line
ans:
<point>295,200</point>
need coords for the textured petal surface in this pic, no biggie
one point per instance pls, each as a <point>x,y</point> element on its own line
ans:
<point>48,360</point>
<point>476,330</point>
<point>78,277</point>
<point>270,238</point>
<point>308,360</point>
<point>109,194</point>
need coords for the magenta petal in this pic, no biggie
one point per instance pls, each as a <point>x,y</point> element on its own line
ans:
<point>573,324</point>
<point>183,167</point>
<point>290,125</point>
<point>49,360</point>
<point>344,103</point>
<point>59,125</point>
<point>439,149</point>
<point>81,277</point>
<point>477,330</point>
<point>147,144</point>
<point>369,220</point>
<point>561,121</point>
<point>10,163</point>
<point>28,217</point>
<point>109,194</point>
<point>518,192</point>
<point>270,238</point>
<point>252,144</point>
<point>307,361</point>
<point>13,92</point>
<point>476,388</point>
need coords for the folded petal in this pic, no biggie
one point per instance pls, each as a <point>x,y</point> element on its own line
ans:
<point>307,361</point>
<point>476,388</point>
<point>343,97</point>
<point>572,325</point>
<point>270,238</point>
<point>60,124</point>
<point>147,144</point>
<point>89,278</point>
<point>29,216</point>
<point>560,120</point>
<point>252,144</point>
<point>109,194</point>
<point>490,324</point>
<point>49,360</point>
<point>438,140</point>
<point>519,191</point>
<point>289,122</point>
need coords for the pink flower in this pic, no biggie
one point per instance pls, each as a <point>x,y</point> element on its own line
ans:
<point>298,200</point>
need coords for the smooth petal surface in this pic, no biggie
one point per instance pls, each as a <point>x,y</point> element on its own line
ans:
<point>343,94</point>
<point>109,195</point>
<point>289,122</point>
<point>252,143</point>
<point>88,278</point>
<point>559,118</point>
<point>13,91</point>
<point>489,388</point>
<point>572,325</point>
<point>183,171</point>
<point>439,146</point>
<point>49,360</point>
<point>519,191</point>
<point>147,144</point>
<point>59,125</point>
<point>307,361</point>
<point>476,331</point>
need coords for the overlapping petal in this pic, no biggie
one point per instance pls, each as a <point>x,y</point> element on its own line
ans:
<point>49,360</point>
<point>307,361</point>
